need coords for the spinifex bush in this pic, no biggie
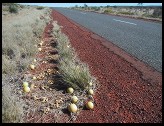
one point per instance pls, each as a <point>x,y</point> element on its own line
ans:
<point>12,109</point>
<point>40,8</point>
<point>20,36</point>
<point>74,73</point>
<point>13,8</point>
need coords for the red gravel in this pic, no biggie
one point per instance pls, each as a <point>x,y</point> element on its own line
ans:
<point>33,110</point>
<point>129,91</point>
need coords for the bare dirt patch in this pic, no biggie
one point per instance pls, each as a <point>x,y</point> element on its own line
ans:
<point>46,102</point>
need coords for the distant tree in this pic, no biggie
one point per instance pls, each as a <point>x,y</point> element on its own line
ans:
<point>85,5</point>
<point>97,8</point>
<point>13,8</point>
<point>76,6</point>
<point>108,6</point>
<point>157,13</point>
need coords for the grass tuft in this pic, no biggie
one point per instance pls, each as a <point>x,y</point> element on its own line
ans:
<point>74,72</point>
<point>20,36</point>
<point>12,109</point>
<point>40,8</point>
<point>13,8</point>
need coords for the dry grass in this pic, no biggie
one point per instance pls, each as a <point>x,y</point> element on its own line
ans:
<point>146,12</point>
<point>19,34</point>
<point>75,73</point>
<point>12,110</point>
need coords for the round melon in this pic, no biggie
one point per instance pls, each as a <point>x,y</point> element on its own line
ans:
<point>32,66</point>
<point>34,60</point>
<point>26,89</point>
<point>70,90</point>
<point>25,84</point>
<point>74,99</point>
<point>39,49</point>
<point>90,84</point>
<point>90,92</point>
<point>72,108</point>
<point>90,105</point>
<point>34,78</point>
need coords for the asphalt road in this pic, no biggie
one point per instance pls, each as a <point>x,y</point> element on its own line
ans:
<point>142,39</point>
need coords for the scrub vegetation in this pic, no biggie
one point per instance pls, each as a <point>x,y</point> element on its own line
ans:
<point>22,30</point>
<point>75,73</point>
<point>22,27</point>
<point>145,12</point>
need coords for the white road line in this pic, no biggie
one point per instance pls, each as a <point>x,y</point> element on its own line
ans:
<point>83,13</point>
<point>125,22</point>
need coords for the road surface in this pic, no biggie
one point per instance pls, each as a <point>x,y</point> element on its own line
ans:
<point>142,39</point>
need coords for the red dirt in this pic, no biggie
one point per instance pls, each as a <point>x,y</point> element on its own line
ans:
<point>129,91</point>
<point>33,112</point>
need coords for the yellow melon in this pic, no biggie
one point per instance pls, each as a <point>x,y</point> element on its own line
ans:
<point>34,60</point>
<point>90,92</point>
<point>70,90</point>
<point>74,99</point>
<point>40,49</point>
<point>27,89</point>
<point>32,66</point>
<point>25,84</point>
<point>90,105</point>
<point>34,78</point>
<point>90,84</point>
<point>72,108</point>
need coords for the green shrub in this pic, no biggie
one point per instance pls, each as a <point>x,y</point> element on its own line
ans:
<point>126,13</point>
<point>108,11</point>
<point>97,8</point>
<point>13,8</point>
<point>146,15</point>
<point>157,13</point>
<point>40,8</point>
<point>22,6</point>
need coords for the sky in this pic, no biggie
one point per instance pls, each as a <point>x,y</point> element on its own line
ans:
<point>90,4</point>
